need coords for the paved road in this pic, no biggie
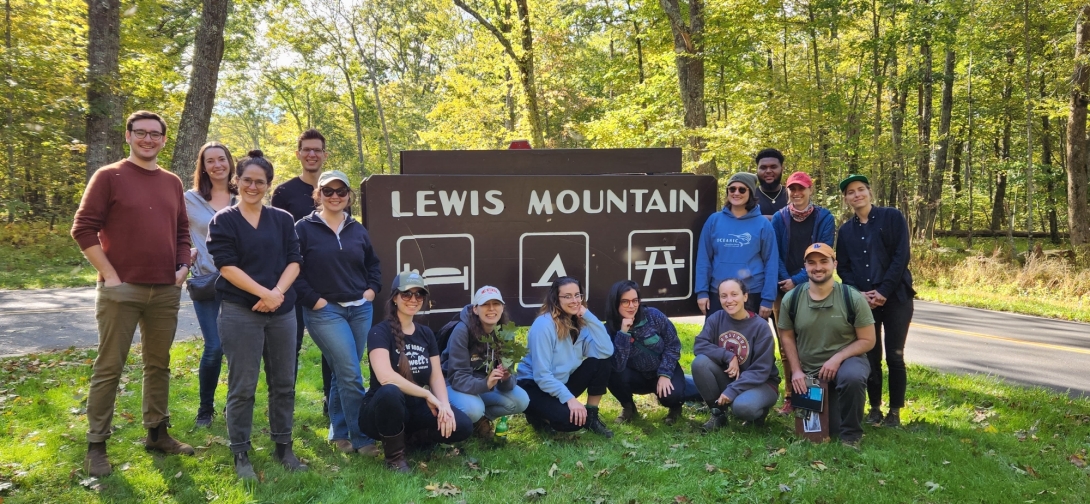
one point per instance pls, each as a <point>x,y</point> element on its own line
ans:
<point>1021,349</point>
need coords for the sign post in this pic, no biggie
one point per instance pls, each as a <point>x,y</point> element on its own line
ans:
<point>520,232</point>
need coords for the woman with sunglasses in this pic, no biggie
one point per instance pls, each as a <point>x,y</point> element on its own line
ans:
<point>738,242</point>
<point>213,190</point>
<point>646,351</point>
<point>338,282</point>
<point>567,353</point>
<point>404,358</point>
<point>479,384</point>
<point>257,253</point>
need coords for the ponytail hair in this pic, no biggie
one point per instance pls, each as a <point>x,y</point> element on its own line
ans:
<point>403,367</point>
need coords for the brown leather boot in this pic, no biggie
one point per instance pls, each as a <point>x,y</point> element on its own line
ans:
<point>394,448</point>
<point>96,463</point>
<point>159,440</point>
<point>483,429</point>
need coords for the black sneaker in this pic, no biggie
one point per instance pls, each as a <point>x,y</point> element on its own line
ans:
<point>874,417</point>
<point>892,419</point>
<point>595,425</point>
<point>204,417</point>
<point>540,425</point>
<point>717,421</point>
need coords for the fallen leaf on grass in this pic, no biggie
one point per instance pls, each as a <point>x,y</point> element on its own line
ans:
<point>178,475</point>
<point>1032,472</point>
<point>579,464</point>
<point>445,490</point>
<point>91,483</point>
<point>1078,459</point>
<point>770,467</point>
<point>784,488</point>
<point>601,473</point>
<point>628,445</point>
<point>681,499</point>
<point>882,482</point>
<point>535,493</point>
<point>819,465</point>
<point>671,464</point>
<point>552,470</point>
<point>932,486</point>
<point>777,452</point>
<point>5,486</point>
<point>710,468</point>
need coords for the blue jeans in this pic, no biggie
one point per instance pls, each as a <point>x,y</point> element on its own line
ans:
<point>492,404</point>
<point>212,359</point>
<point>341,333</point>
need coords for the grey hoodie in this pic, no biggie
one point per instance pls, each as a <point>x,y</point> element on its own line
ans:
<point>466,372</point>
<point>750,339</point>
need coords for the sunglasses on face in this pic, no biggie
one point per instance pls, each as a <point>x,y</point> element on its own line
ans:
<point>329,191</point>
<point>737,189</point>
<point>407,295</point>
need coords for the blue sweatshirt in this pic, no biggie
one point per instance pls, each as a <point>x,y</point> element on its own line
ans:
<point>550,361</point>
<point>337,266</point>
<point>824,227</point>
<point>740,247</point>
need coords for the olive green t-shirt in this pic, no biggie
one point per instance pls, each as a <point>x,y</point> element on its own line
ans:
<point>821,327</point>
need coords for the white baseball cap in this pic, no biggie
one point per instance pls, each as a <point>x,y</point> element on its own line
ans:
<point>486,294</point>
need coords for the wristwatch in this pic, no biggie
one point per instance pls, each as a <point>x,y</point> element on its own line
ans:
<point>179,266</point>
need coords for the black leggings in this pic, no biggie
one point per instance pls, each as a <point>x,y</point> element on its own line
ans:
<point>622,384</point>
<point>389,411</point>
<point>591,377</point>
<point>890,331</point>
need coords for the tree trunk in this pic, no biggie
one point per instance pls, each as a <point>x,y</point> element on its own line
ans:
<point>1046,161</point>
<point>934,192</point>
<point>999,201</point>
<point>1078,214</point>
<point>105,125</point>
<point>955,171</point>
<point>9,120</point>
<point>207,54</point>
<point>689,60</point>
<point>924,110</point>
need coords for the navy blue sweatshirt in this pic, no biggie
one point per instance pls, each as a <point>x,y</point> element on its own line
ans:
<point>337,268</point>
<point>875,255</point>
<point>262,253</point>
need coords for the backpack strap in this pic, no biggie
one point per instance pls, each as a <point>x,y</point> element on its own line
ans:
<point>848,303</point>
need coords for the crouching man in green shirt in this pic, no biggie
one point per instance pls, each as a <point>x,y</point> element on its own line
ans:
<point>826,333</point>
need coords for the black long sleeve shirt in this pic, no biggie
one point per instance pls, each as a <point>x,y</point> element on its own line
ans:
<point>263,252</point>
<point>875,255</point>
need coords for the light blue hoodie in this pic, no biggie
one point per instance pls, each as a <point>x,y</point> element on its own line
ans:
<point>550,361</point>
<point>739,247</point>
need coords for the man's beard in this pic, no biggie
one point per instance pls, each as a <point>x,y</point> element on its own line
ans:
<point>775,185</point>
<point>828,278</point>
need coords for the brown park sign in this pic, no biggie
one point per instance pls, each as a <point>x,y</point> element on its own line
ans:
<point>519,232</point>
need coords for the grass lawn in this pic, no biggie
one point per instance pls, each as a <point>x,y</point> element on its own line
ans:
<point>34,257</point>
<point>966,439</point>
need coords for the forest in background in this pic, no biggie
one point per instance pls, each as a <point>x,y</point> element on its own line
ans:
<point>958,110</point>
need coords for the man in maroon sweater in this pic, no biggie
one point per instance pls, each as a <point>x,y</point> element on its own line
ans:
<point>132,227</point>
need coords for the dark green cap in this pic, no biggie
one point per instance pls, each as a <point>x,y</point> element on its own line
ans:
<point>852,178</point>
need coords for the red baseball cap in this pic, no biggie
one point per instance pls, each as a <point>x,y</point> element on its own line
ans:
<point>800,178</point>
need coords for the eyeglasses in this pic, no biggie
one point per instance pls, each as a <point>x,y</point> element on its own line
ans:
<point>341,191</point>
<point>737,189</point>
<point>311,151</point>
<point>140,134</point>
<point>247,181</point>
<point>630,302</point>
<point>407,295</point>
<point>569,297</point>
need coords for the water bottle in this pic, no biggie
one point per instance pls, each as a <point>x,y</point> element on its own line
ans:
<point>501,430</point>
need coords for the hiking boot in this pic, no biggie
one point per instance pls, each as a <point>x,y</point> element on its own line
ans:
<point>540,425</point>
<point>343,445</point>
<point>483,429</point>
<point>369,450</point>
<point>287,458</point>
<point>717,421</point>
<point>672,416</point>
<point>874,417</point>
<point>96,463</point>
<point>852,443</point>
<point>628,412</point>
<point>159,440</point>
<point>243,468</point>
<point>394,449</point>
<point>204,417</point>
<point>762,420</point>
<point>594,423</point>
<point>893,418</point>
<point>786,409</point>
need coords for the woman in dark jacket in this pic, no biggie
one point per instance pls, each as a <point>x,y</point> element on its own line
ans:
<point>735,365</point>
<point>646,351</point>
<point>337,285</point>
<point>477,381</point>
<point>872,255</point>
<point>257,253</point>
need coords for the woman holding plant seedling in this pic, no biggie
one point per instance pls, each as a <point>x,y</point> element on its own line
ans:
<point>568,352</point>
<point>478,360</point>
<point>646,350</point>
<point>404,359</point>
